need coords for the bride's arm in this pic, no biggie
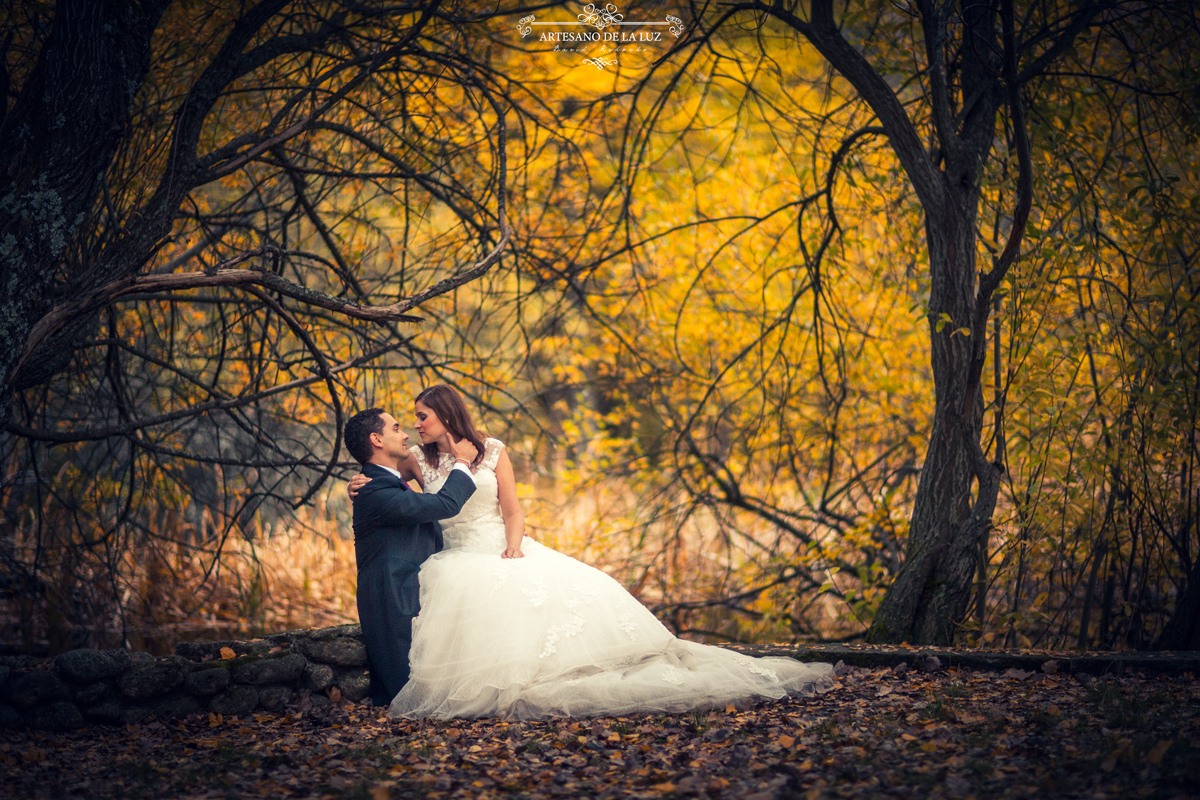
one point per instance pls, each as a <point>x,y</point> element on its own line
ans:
<point>510,507</point>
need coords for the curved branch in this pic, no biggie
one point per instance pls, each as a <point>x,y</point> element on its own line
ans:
<point>330,381</point>
<point>823,34</point>
<point>1024,160</point>
<point>58,317</point>
<point>111,292</point>
<point>1083,18</point>
<point>220,404</point>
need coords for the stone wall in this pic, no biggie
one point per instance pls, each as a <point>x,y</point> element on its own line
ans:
<point>301,669</point>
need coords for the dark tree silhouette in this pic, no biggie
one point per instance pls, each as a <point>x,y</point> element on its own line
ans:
<point>211,214</point>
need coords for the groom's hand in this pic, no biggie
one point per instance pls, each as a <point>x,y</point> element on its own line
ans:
<point>356,483</point>
<point>462,449</point>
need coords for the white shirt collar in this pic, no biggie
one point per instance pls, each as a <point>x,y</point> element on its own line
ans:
<point>395,472</point>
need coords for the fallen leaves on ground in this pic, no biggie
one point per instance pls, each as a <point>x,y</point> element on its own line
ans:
<point>880,733</point>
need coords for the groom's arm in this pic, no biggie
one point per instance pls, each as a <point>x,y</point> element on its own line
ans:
<point>385,504</point>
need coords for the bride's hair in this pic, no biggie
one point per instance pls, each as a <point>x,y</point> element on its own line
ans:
<point>448,404</point>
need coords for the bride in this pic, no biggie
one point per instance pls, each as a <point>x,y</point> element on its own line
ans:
<point>534,633</point>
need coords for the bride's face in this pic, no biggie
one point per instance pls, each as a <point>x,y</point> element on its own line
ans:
<point>428,426</point>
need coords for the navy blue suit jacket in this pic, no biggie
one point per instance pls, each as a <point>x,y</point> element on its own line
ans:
<point>395,530</point>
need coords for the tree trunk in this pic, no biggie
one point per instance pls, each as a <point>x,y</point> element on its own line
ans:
<point>1183,630</point>
<point>932,590</point>
<point>55,147</point>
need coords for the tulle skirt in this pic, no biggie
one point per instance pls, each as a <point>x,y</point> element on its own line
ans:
<point>548,636</point>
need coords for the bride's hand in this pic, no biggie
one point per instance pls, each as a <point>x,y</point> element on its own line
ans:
<point>512,552</point>
<point>356,483</point>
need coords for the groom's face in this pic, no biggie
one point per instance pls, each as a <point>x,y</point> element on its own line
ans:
<point>392,439</point>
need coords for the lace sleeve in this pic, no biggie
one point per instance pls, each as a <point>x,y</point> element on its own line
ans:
<point>420,454</point>
<point>492,448</point>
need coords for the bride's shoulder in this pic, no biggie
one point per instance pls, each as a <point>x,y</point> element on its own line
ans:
<point>491,452</point>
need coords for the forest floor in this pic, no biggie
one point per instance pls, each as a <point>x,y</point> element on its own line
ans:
<point>879,733</point>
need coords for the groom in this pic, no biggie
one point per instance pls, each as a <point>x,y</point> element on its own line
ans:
<point>395,530</point>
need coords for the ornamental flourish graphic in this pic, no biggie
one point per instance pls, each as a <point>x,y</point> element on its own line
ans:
<point>600,19</point>
<point>600,62</point>
<point>600,32</point>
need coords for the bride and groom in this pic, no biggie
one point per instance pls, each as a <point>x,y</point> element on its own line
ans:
<point>472,618</point>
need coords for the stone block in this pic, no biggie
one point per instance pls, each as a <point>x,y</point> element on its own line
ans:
<point>928,663</point>
<point>87,666</point>
<point>89,696</point>
<point>320,634</point>
<point>147,681</point>
<point>177,707</point>
<point>354,684</point>
<point>203,651</point>
<point>9,718</point>
<point>279,669</point>
<point>36,688</point>
<point>56,717</point>
<point>342,651</point>
<point>135,715</point>
<point>108,711</point>
<point>121,656</point>
<point>318,677</point>
<point>255,647</point>
<point>19,662</point>
<point>238,700</point>
<point>207,681</point>
<point>274,698</point>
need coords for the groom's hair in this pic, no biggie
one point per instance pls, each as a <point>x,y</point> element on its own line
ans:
<point>358,433</point>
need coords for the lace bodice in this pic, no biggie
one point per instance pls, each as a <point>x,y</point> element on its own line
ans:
<point>480,523</point>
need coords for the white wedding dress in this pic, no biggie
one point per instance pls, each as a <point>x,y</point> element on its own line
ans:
<point>548,636</point>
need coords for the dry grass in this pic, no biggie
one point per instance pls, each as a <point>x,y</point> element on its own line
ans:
<point>189,581</point>
<point>300,575</point>
<point>170,581</point>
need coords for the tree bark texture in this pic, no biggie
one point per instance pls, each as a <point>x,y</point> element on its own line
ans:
<point>55,146</point>
<point>932,589</point>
